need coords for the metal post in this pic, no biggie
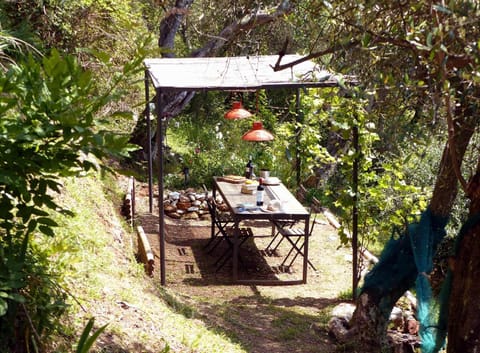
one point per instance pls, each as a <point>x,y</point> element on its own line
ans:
<point>297,138</point>
<point>355,211</point>
<point>160,139</point>
<point>149,145</point>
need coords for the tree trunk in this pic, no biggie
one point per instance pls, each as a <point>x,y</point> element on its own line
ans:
<point>375,304</point>
<point>464,318</point>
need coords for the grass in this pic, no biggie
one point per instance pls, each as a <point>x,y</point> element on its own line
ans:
<point>94,250</point>
<point>291,325</point>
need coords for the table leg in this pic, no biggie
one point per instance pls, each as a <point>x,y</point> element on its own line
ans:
<point>214,196</point>
<point>235,251</point>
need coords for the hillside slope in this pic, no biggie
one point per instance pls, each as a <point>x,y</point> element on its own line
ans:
<point>96,248</point>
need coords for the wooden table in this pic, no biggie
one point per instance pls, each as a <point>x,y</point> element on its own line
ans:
<point>291,209</point>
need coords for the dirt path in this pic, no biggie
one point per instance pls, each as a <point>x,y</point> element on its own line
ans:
<point>259,318</point>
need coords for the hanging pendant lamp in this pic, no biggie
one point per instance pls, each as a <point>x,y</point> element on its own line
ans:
<point>257,133</point>
<point>237,112</point>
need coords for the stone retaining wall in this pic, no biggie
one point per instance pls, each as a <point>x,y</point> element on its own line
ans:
<point>188,204</point>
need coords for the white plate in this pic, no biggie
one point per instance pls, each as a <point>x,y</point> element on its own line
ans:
<point>272,181</point>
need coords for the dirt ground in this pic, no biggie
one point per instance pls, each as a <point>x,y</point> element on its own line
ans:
<point>277,318</point>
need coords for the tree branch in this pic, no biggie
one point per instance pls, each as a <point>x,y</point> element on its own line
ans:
<point>246,23</point>
<point>176,102</point>
<point>452,61</point>
<point>335,48</point>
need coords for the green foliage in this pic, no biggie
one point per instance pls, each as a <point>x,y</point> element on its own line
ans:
<point>9,46</point>
<point>385,198</point>
<point>32,300</point>
<point>86,340</point>
<point>48,130</point>
<point>202,140</point>
<point>48,117</point>
<point>75,25</point>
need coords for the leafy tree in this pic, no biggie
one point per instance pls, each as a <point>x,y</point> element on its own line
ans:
<point>423,59</point>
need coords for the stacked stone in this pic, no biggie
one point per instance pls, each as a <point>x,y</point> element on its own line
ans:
<point>185,204</point>
<point>188,204</point>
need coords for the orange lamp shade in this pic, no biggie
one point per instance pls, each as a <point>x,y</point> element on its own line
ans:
<point>257,133</point>
<point>237,112</point>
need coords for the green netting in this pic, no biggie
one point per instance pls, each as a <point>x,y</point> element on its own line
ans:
<point>407,260</point>
<point>431,311</point>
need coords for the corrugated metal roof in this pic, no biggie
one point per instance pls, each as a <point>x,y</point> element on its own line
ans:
<point>235,73</point>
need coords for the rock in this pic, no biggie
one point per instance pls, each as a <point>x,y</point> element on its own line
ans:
<point>189,204</point>
<point>396,317</point>
<point>174,215</point>
<point>190,215</point>
<point>344,311</point>
<point>412,326</point>
<point>184,199</point>
<point>338,327</point>
<point>184,205</point>
<point>174,195</point>
<point>169,208</point>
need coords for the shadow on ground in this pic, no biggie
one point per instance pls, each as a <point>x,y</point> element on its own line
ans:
<point>277,318</point>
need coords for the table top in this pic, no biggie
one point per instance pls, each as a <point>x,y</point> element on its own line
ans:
<point>236,200</point>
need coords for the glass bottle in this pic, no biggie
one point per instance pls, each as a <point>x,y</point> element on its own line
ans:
<point>249,169</point>
<point>260,191</point>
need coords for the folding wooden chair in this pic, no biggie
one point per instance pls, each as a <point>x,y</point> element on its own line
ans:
<point>220,221</point>
<point>287,223</point>
<point>295,235</point>
<point>223,230</point>
<point>244,234</point>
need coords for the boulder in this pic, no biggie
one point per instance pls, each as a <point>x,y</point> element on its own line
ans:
<point>184,205</point>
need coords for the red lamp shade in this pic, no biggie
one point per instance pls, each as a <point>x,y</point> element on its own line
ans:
<point>237,112</point>
<point>257,133</point>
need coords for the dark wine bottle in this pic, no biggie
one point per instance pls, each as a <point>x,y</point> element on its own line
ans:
<point>249,169</point>
<point>260,191</point>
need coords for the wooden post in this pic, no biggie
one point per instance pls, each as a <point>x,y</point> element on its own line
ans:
<point>129,202</point>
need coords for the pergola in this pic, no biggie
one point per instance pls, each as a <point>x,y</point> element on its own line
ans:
<point>221,74</point>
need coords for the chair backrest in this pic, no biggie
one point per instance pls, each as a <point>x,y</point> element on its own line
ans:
<point>315,208</point>
<point>301,193</point>
<point>217,215</point>
<point>210,202</point>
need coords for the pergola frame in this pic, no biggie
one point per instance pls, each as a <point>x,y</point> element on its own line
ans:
<point>221,74</point>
